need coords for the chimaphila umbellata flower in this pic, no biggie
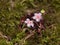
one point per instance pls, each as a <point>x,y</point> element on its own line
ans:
<point>29,23</point>
<point>37,16</point>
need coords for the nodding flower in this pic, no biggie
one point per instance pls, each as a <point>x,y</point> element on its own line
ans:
<point>37,16</point>
<point>29,23</point>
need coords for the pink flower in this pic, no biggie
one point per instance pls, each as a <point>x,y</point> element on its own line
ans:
<point>37,16</point>
<point>29,23</point>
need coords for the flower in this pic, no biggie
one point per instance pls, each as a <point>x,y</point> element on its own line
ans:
<point>29,23</point>
<point>37,16</point>
<point>42,11</point>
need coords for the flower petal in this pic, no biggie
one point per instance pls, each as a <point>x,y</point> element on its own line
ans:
<point>40,14</point>
<point>32,25</point>
<point>28,25</point>
<point>34,17</point>
<point>37,20</point>
<point>27,19</point>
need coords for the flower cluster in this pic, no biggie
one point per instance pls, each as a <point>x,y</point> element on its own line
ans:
<point>33,21</point>
<point>37,17</point>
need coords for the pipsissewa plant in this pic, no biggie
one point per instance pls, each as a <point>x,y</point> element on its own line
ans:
<point>33,21</point>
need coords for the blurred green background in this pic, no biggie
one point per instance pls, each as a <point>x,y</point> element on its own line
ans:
<point>12,10</point>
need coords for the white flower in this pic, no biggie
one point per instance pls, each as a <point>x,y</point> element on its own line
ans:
<point>29,23</point>
<point>37,16</point>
